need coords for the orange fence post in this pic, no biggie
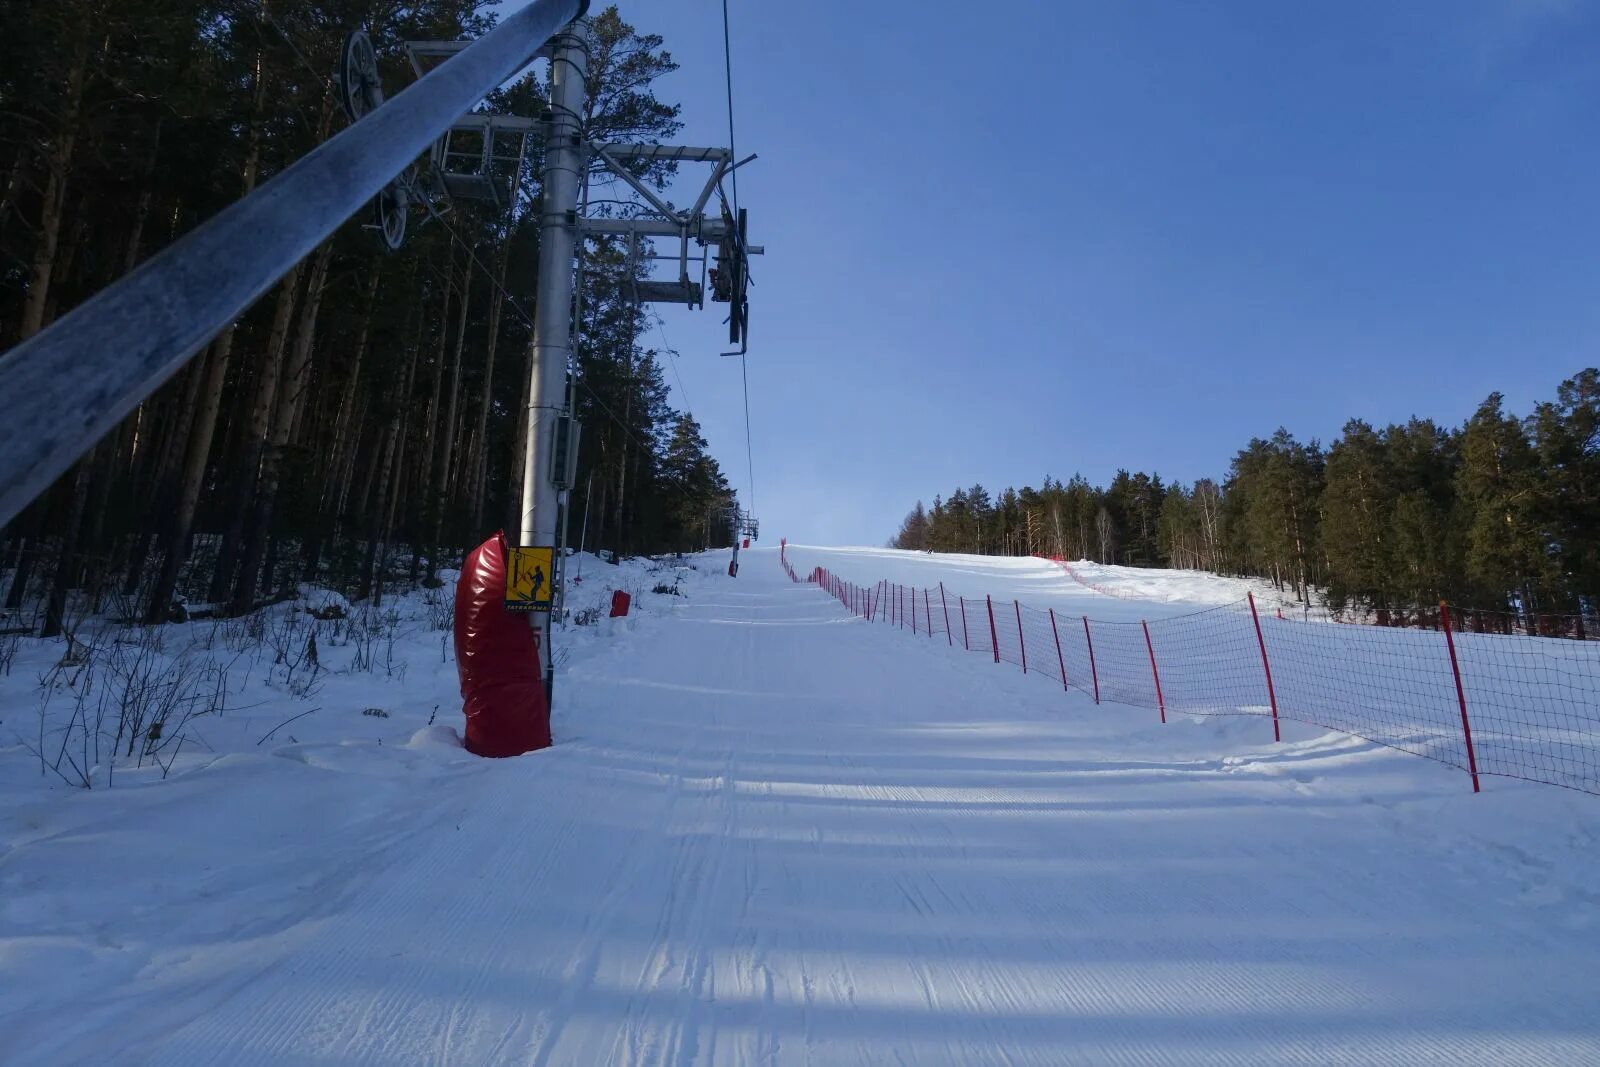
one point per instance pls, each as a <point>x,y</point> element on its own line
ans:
<point>1022,641</point>
<point>1160,703</point>
<point>1060,659</point>
<point>1093,673</point>
<point>1272,695</point>
<point>1461,694</point>
<point>944,605</point>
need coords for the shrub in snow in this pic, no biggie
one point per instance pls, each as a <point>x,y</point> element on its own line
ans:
<point>9,643</point>
<point>123,699</point>
<point>441,609</point>
<point>321,603</point>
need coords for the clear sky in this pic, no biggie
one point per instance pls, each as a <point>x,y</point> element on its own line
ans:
<point>1011,240</point>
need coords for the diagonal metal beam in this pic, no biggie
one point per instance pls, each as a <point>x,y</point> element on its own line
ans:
<point>65,388</point>
<point>604,152</point>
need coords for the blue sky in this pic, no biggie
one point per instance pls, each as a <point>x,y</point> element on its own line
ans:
<point>1073,236</point>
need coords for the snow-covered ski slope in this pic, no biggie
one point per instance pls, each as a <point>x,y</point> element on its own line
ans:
<point>1115,594</point>
<point>771,833</point>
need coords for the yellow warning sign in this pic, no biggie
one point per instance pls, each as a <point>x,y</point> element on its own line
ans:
<point>528,578</point>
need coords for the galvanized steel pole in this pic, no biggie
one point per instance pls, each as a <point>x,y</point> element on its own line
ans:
<point>66,387</point>
<point>564,163</point>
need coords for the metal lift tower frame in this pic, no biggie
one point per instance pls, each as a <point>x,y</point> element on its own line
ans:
<point>546,483</point>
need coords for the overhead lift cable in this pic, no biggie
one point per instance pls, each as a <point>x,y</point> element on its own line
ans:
<point>744,368</point>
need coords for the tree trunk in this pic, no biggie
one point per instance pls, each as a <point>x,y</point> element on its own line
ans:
<point>344,443</point>
<point>59,163</point>
<point>435,405</point>
<point>204,426</point>
<point>253,441</point>
<point>622,467</point>
<point>67,562</point>
<point>290,398</point>
<point>441,481</point>
<point>382,517</point>
<point>477,464</point>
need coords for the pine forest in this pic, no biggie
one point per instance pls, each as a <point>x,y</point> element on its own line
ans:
<point>363,423</point>
<point>1499,514</point>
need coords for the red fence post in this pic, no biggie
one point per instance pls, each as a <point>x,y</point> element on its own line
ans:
<point>1160,703</point>
<point>1272,695</point>
<point>1461,694</point>
<point>1060,659</point>
<point>964,642</point>
<point>944,606</point>
<point>1020,639</point>
<point>994,636</point>
<point>1093,673</point>
<point>927,612</point>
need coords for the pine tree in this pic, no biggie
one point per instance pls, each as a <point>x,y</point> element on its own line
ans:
<point>1500,499</point>
<point>914,531</point>
<point>1566,441</point>
<point>1357,518</point>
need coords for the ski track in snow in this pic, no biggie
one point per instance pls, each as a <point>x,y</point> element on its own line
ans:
<point>773,834</point>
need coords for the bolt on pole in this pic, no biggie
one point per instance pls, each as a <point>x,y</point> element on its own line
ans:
<point>564,164</point>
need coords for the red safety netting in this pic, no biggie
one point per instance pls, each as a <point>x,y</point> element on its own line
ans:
<point>1483,691</point>
<point>1533,702</point>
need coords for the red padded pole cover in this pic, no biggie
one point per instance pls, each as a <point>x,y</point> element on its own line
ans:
<point>497,656</point>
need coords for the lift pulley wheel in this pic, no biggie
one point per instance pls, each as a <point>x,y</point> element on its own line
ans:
<point>361,88</point>
<point>389,214</point>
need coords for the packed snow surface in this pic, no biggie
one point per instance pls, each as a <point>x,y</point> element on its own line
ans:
<point>1079,587</point>
<point>772,833</point>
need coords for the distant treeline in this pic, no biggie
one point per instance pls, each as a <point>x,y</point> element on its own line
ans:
<point>1503,512</point>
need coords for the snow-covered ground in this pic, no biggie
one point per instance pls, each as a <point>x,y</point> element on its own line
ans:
<point>772,833</point>
<point>1099,590</point>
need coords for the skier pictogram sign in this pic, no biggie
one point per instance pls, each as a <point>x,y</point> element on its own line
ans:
<point>529,578</point>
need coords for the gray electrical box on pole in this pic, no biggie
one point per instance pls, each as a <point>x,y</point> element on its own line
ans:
<point>564,165</point>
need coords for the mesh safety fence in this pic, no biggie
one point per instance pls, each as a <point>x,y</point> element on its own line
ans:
<point>1489,693</point>
<point>1533,702</point>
